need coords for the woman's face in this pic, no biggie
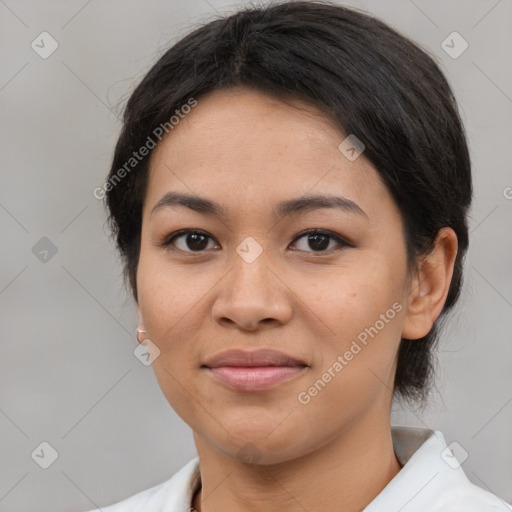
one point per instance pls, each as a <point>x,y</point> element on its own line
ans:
<point>254,280</point>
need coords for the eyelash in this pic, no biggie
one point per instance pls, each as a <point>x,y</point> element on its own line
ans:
<point>342,242</point>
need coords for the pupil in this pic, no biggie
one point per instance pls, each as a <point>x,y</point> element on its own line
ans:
<point>196,241</point>
<point>314,239</point>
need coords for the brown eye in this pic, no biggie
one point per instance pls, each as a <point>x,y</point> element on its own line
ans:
<point>319,241</point>
<point>188,240</point>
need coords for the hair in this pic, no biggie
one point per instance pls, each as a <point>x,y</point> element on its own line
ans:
<point>374,82</point>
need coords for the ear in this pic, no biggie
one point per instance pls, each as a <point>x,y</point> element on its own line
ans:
<point>430,285</point>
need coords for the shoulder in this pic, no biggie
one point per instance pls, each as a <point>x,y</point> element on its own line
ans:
<point>172,495</point>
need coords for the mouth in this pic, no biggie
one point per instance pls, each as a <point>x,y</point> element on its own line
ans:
<point>254,371</point>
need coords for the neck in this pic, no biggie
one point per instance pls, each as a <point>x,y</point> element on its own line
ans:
<point>350,471</point>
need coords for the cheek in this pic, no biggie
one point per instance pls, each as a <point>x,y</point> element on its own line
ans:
<point>170,305</point>
<point>352,299</point>
<point>166,291</point>
<point>171,309</point>
<point>364,309</point>
<point>354,365</point>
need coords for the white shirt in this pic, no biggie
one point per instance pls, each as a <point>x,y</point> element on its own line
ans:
<point>431,480</point>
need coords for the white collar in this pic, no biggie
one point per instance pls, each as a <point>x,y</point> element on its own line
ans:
<point>430,480</point>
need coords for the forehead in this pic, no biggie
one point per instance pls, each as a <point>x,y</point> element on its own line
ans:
<point>241,144</point>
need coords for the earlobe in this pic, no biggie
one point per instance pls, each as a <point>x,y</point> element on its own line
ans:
<point>430,285</point>
<point>140,333</point>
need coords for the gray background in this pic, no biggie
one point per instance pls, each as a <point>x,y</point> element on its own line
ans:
<point>68,373</point>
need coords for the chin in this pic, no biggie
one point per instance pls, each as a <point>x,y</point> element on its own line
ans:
<point>260,448</point>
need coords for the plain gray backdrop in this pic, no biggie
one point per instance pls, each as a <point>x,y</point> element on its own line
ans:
<point>68,373</point>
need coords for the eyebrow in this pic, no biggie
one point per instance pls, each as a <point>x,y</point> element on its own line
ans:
<point>283,209</point>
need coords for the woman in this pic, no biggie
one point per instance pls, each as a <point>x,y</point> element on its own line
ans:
<point>292,236</point>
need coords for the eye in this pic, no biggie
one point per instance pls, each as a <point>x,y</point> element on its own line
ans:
<point>193,240</point>
<point>319,240</point>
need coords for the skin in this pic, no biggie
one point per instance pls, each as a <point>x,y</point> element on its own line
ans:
<point>248,152</point>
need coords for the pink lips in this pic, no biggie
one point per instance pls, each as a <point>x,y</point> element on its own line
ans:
<point>253,371</point>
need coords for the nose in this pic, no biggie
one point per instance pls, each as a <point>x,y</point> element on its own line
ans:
<point>253,296</point>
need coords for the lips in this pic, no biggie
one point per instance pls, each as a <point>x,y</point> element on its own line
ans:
<point>258,370</point>
<point>257,358</point>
